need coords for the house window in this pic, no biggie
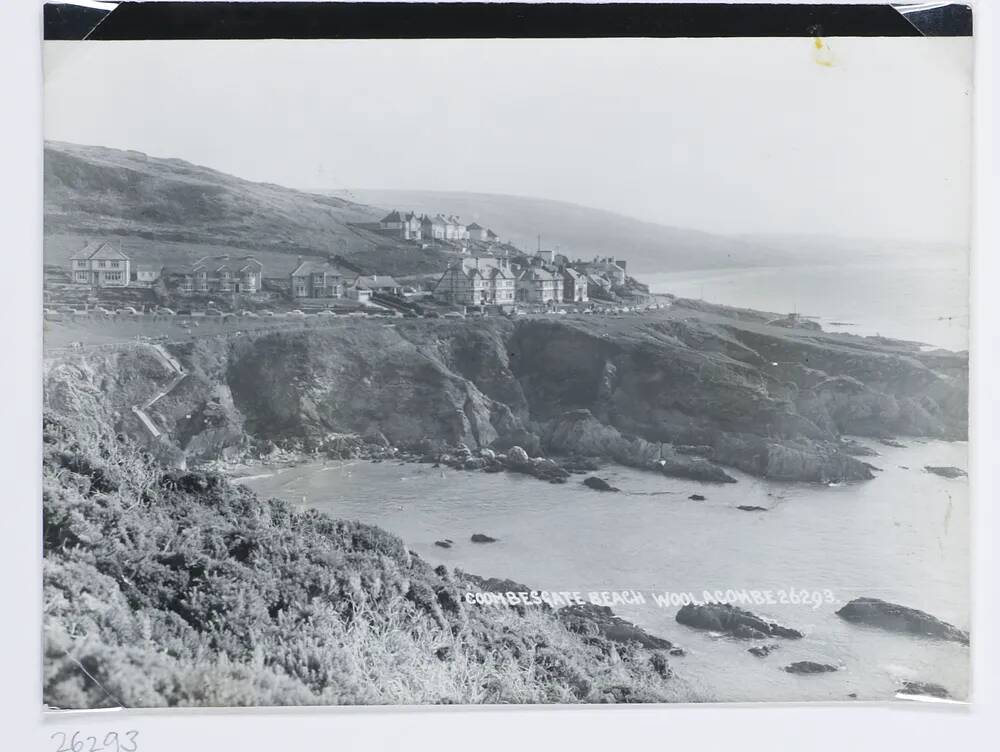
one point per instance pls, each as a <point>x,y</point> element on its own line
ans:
<point>114,264</point>
<point>101,264</point>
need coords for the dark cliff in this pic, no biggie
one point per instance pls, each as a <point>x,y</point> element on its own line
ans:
<point>668,389</point>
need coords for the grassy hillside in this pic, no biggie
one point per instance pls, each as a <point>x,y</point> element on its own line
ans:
<point>166,588</point>
<point>580,231</point>
<point>171,211</point>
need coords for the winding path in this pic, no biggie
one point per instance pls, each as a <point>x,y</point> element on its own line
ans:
<point>174,365</point>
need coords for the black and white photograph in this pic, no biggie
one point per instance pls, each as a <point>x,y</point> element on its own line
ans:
<point>506,371</point>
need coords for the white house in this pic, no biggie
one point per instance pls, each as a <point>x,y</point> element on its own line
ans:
<point>101,265</point>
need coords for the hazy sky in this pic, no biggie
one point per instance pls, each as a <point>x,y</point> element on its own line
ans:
<point>730,135</point>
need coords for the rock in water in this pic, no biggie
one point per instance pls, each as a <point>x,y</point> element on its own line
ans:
<point>598,484</point>
<point>696,497</point>
<point>724,617</point>
<point>480,538</point>
<point>443,544</point>
<point>749,508</point>
<point>893,443</point>
<point>762,651</point>
<point>875,612</point>
<point>945,472</point>
<point>809,667</point>
<point>591,619</point>
<point>924,688</point>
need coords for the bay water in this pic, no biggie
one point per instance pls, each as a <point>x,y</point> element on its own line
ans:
<point>903,537</point>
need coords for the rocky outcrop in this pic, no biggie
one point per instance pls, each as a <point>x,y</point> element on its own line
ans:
<point>874,612</point>
<point>946,472</point>
<point>598,484</point>
<point>820,462</point>
<point>924,689</point>
<point>762,651</point>
<point>580,432</point>
<point>593,620</point>
<point>729,619</point>
<point>809,667</point>
<point>482,538</point>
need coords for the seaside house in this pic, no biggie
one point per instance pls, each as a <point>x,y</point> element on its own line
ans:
<point>536,284</point>
<point>574,286</point>
<point>455,230</point>
<point>241,274</point>
<point>316,279</point>
<point>406,226</point>
<point>379,284</point>
<point>484,280</point>
<point>477,232</point>
<point>101,265</point>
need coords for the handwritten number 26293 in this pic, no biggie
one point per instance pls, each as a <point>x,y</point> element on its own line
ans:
<point>113,742</point>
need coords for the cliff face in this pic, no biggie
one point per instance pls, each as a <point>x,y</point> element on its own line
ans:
<point>671,391</point>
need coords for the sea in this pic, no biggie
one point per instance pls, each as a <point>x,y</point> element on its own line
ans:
<point>903,537</point>
<point>920,299</point>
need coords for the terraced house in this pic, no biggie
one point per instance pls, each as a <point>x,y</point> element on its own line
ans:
<point>223,274</point>
<point>101,265</point>
<point>536,284</point>
<point>477,281</point>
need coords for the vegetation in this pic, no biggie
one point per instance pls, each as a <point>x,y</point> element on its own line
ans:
<point>172,212</point>
<point>167,588</point>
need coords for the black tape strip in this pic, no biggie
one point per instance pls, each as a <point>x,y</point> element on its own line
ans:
<point>936,21</point>
<point>68,21</point>
<point>295,20</point>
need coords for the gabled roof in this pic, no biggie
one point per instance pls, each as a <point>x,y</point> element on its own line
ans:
<point>474,226</point>
<point>104,250</point>
<point>249,261</point>
<point>308,267</point>
<point>392,216</point>
<point>537,274</point>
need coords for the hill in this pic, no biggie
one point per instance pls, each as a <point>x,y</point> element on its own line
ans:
<point>172,211</point>
<point>581,231</point>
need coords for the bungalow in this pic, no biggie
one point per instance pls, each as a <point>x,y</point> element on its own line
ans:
<point>223,274</point>
<point>539,285</point>
<point>381,284</point>
<point>102,265</point>
<point>406,226</point>
<point>574,286</point>
<point>316,279</point>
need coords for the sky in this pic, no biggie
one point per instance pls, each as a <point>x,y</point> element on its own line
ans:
<point>861,137</point>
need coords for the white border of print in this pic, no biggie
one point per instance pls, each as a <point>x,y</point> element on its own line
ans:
<point>716,727</point>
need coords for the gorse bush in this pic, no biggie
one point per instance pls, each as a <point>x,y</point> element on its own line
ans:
<point>170,588</point>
